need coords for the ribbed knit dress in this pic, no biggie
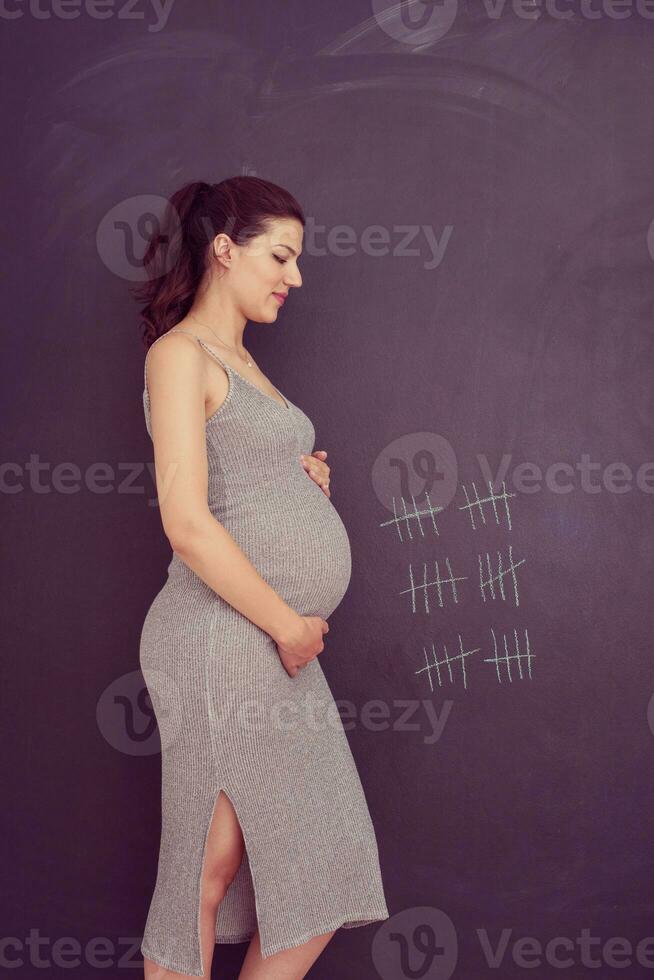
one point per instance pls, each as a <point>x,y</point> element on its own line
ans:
<point>231,718</point>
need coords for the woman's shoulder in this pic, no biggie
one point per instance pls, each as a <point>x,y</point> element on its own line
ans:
<point>171,353</point>
<point>174,341</point>
<point>176,334</point>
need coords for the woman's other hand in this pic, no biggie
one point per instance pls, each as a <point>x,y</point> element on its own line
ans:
<point>317,469</point>
<point>302,643</point>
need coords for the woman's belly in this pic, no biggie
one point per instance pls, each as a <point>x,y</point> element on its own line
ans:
<point>295,538</point>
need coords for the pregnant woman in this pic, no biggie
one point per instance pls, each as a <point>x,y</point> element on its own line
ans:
<point>266,834</point>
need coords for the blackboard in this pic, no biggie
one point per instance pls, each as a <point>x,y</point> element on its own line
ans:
<point>473,342</point>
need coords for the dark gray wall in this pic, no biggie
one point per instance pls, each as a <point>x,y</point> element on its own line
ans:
<point>506,163</point>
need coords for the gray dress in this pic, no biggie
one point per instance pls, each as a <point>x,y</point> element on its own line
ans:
<point>231,718</point>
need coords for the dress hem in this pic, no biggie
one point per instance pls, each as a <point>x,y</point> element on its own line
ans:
<point>350,922</point>
<point>167,964</point>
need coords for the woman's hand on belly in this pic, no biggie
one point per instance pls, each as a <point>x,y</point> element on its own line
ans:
<point>302,644</point>
<point>317,469</point>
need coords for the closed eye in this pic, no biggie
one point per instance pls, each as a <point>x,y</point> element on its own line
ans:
<point>280,260</point>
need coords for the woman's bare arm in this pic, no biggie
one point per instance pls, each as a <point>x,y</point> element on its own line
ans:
<point>176,382</point>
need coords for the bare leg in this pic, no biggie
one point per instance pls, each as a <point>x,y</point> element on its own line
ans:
<point>221,862</point>
<point>290,964</point>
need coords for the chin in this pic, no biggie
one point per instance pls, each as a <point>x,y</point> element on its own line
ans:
<point>262,316</point>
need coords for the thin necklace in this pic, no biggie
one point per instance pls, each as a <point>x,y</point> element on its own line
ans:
<point>248,361</point>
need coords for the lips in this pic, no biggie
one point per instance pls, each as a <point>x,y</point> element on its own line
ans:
<point>280,296</point>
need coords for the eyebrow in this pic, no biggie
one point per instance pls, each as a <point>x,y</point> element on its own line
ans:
<point>288,247</point>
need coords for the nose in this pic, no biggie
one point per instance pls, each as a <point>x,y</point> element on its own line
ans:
<point>293,278</point>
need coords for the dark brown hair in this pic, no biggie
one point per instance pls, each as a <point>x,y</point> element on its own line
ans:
<point>176,255</point>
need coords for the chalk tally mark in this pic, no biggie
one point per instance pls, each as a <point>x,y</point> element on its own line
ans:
<point>459,660</point>
<point>404,518</point>
<point>436,583</point>
<point>477,504</point>
<point>488,584</point>
<point>505,659</point>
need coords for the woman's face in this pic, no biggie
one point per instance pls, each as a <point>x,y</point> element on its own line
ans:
<point>266,268</point>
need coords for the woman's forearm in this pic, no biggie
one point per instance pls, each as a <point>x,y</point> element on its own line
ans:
<point>208,548</point>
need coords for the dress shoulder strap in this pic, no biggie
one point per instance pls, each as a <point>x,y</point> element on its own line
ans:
<point>213,354</point>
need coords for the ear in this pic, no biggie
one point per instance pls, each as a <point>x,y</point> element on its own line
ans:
<point>222,249</point>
